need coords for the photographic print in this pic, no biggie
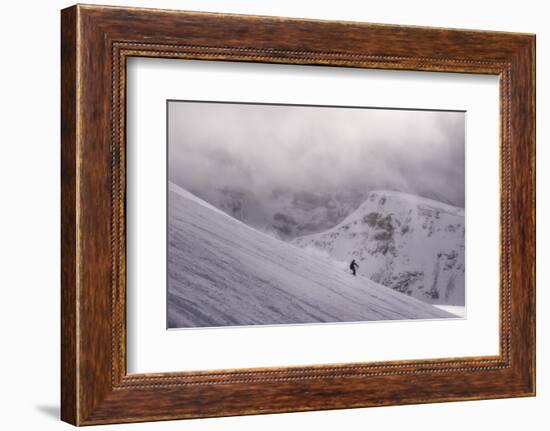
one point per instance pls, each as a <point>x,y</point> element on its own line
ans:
<point>299,214</point>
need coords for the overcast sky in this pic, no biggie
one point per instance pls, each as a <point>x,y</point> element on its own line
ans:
<point>263,147</point>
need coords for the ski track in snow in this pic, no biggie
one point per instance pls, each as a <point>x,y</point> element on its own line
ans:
<point>222,272</point>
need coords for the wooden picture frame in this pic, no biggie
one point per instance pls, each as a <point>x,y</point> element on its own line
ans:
<point>95,43</point>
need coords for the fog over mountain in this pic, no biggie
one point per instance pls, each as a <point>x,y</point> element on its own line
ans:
<point>297,170</point>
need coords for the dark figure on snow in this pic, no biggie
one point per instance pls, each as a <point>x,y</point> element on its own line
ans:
<point>353,266</point>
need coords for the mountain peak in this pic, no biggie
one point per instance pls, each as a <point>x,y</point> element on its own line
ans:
<point>410,243</point>
<point>222,272</point>
<point>411,199</point>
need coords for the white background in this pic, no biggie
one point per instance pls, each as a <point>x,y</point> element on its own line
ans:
<point>151,348</point>
<point>29,217</point>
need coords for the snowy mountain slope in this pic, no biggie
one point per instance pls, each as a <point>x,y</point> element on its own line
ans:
<point>413,244</point>
<point>287,213</point>
<point>222,272</point>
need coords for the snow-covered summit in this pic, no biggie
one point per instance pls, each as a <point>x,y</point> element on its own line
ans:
<point>398,198</point>
<point>412,244</point>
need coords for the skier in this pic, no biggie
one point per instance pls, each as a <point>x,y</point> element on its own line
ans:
<point>353,266</point>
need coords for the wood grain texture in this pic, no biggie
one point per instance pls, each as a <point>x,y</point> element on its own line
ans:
<point>96,41</point>
<point>69,365</point>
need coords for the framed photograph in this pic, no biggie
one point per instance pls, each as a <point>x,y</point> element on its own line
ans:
<point>264,214</point>
<point>304,224</point>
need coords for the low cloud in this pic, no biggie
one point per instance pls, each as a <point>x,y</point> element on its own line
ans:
<point>266,147</point>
